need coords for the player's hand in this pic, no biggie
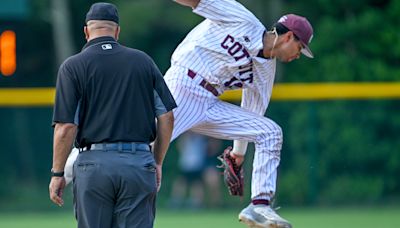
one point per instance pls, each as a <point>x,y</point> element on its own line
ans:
<point>158,176</point>
<point>239,159</point>
<point>233,172</point>
<point>56,190</point>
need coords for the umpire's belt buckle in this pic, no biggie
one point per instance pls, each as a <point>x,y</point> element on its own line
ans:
<point>121,146</point>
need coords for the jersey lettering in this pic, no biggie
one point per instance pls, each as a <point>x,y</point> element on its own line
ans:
<point>234,47</point>
<point>233,83</point>
<point>238,52</point>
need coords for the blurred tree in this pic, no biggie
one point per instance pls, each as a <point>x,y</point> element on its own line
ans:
<point>353,41</point>
<point>62,37</point>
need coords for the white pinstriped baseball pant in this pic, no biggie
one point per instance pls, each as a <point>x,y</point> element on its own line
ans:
<point>201,112</point>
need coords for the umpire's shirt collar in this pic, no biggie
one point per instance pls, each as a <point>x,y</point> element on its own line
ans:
<point>98,40</point>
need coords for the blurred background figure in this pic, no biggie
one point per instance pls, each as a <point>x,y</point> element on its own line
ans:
<point>192,149</point>
<point>212,175</point>
<point>198,174</point>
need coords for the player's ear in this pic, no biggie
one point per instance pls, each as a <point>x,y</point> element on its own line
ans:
<point>290,36</point>
<point>285,37</point>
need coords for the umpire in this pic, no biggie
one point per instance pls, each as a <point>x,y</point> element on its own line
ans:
<point>108,98</point>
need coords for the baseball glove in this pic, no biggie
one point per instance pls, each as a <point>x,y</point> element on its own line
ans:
<point>233,174</point>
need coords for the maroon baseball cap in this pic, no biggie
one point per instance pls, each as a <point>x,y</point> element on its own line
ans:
<point>301,28</point>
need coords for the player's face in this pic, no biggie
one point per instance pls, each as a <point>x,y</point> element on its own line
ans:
<point>290,49</point>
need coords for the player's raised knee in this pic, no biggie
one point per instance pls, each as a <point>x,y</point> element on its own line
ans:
<point>272,137</point>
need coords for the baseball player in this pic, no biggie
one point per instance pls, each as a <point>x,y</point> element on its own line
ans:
<point>231,49</point>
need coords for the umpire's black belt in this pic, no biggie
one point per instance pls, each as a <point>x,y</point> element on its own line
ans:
<point>120,146</point>
<point>206,85</point>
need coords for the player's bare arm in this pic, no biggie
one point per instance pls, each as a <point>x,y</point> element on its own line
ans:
<point>64,135</point>
<point>165,124</point>
<point>191,3</point>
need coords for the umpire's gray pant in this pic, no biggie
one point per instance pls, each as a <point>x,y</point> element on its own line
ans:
<point>115,189</point>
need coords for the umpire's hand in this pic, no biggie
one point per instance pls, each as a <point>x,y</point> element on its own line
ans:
<point>56,189</point>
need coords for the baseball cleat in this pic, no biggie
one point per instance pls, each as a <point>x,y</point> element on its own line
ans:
<point>262,216</point>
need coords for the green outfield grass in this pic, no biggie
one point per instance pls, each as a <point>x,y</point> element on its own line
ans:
<point>301,218</point>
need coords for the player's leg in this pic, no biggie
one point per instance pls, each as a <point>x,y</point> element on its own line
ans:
<point>68,169</point>
<point>227,121</point>
<point>190,98</point>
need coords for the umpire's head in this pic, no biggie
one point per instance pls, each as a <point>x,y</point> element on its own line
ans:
<point>102,20</point>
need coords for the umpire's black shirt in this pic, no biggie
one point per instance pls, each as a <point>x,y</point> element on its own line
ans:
<point>109,91</point>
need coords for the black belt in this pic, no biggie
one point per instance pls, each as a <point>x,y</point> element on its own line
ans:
<point>206,85</point>
<point>119,146</point>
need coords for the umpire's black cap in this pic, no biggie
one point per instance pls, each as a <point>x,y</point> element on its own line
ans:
<point>103,11</point>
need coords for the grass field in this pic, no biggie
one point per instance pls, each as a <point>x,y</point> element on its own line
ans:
<point>301,218</point>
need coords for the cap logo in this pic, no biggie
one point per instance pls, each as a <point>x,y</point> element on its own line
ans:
<point>282,19</point>
<point>106,46</point>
